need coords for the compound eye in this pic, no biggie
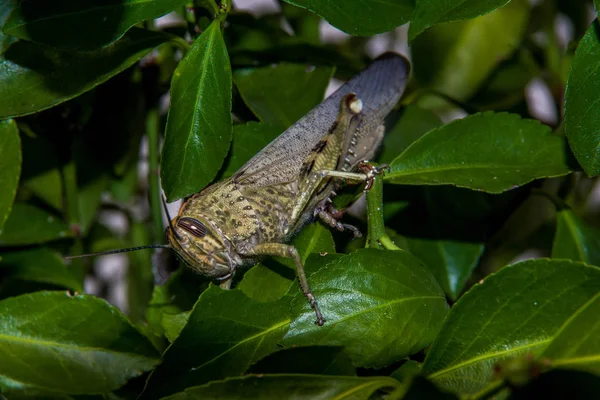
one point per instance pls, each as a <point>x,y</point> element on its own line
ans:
<point>192,226</point>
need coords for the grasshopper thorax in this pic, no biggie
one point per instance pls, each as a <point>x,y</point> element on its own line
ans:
<point>202,246</point>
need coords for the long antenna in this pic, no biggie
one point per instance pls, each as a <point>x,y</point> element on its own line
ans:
<point>103,253</point>
<point>164,202</point>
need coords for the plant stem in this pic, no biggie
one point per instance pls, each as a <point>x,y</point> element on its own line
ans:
<point>71,215</point>
<point>181,43</point>
<point>152,122</point>
<point>375,213</point>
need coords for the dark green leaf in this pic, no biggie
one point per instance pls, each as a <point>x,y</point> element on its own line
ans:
<point>380,305</point>
<point>261,283</point>
<point>431,12</point>
<point>486,151</point>
<point>281,94</point>
<point>226,332</point>
<point>33,77</point>
<point>408,371</point>
<point>582,116</point>
<point>27,224</point>
<point>39,265</point>
<point>513,312</point>
<point>413,123</point>
<point>298,387</point>
<point>577,344</point>
<point>456,59</point>
<point>97,22</point>
<point>198,129</point>
<point>10,166</point>
<point>575,240</point>
<point>322,360</point>
<point>248,140</point>
<point>314,238</point>
<point>72,344</point>
<point>360,18</point>
<point>6,7</point>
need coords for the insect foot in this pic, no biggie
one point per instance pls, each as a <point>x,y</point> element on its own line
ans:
<point>371,171</point>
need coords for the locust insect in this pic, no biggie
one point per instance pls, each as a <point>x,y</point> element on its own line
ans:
<point>257,210</point>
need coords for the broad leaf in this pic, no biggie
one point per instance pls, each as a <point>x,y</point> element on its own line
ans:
<point>69,343</point>
<point>38,265</point>
<point>582,116</point>
<point>281,94</point>
<point>512,312</point>
<point>33,77</point>
<point>360,18</point>
<point>248,139</point>
<point>431,12</point>
<point>575,240</point>
<point>457,59</point>
<point>323,360</point>
<point>298,387</point>
<point>198,131</point>
<point>226,332</point>
<point>97,22</point>
<point>10,166</point>
<point>27,224</point>
<point>487,151</point>
<point>6,7</point>
<point>380,305</point>
<point>577,344</point>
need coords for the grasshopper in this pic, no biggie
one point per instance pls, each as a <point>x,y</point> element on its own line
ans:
<point>257,210</point>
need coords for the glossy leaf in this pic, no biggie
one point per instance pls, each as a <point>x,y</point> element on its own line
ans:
<point>431,12</point>
<point>487,151</point>
<point>226,332</point>
<point>512,312</point>
<point>69,343</point>
<point>198,129</point>
<point>39,265</point>
<point>97,22</point>
<point>575,240</point>
<point>281,94</point>
<point>309,387</point>
<point>10,166</point>
<point>457,59</point>
<point>34,78</point>
<point>248,140</point>
<point>27,224</point>
<point>582,116</point>
<point>322,360</point>
<point>6,7</point>
<point>577,343</point>
<point>413,123</point>
<point>380,305</point>
<point>360,18</point>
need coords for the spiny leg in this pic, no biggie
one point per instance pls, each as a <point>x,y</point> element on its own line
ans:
<point>287,251</point>
<point>330,215</point>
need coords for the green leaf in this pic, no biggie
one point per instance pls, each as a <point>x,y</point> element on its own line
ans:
<point>10,166</point>
<point>39,265</point>
<point>298,387</point>
<point>226,332</point>
<point>514,311</point>
<point>262,283</point>
<point>27,224</point>
<point>322,360</point>
<point>281,94</point>
<point>380,305</point>
<point>575,240</point>
<point>431,12</point>
<point>248,140</point>
<point>198,129</point>
<point>413,123</point>
<point>97,22</point>
<point>360,18</point>
<point>71,344</point>
<point>6,7</point>
<point>456,59</point>
<point>486,151</point>
<point>34,78</point>
<point>577,343</point>
<point>40,172</point>
<point>582,116</point>
<point>173,324</point>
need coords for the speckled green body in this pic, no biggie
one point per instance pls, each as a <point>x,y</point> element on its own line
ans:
<point>258,209</point>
